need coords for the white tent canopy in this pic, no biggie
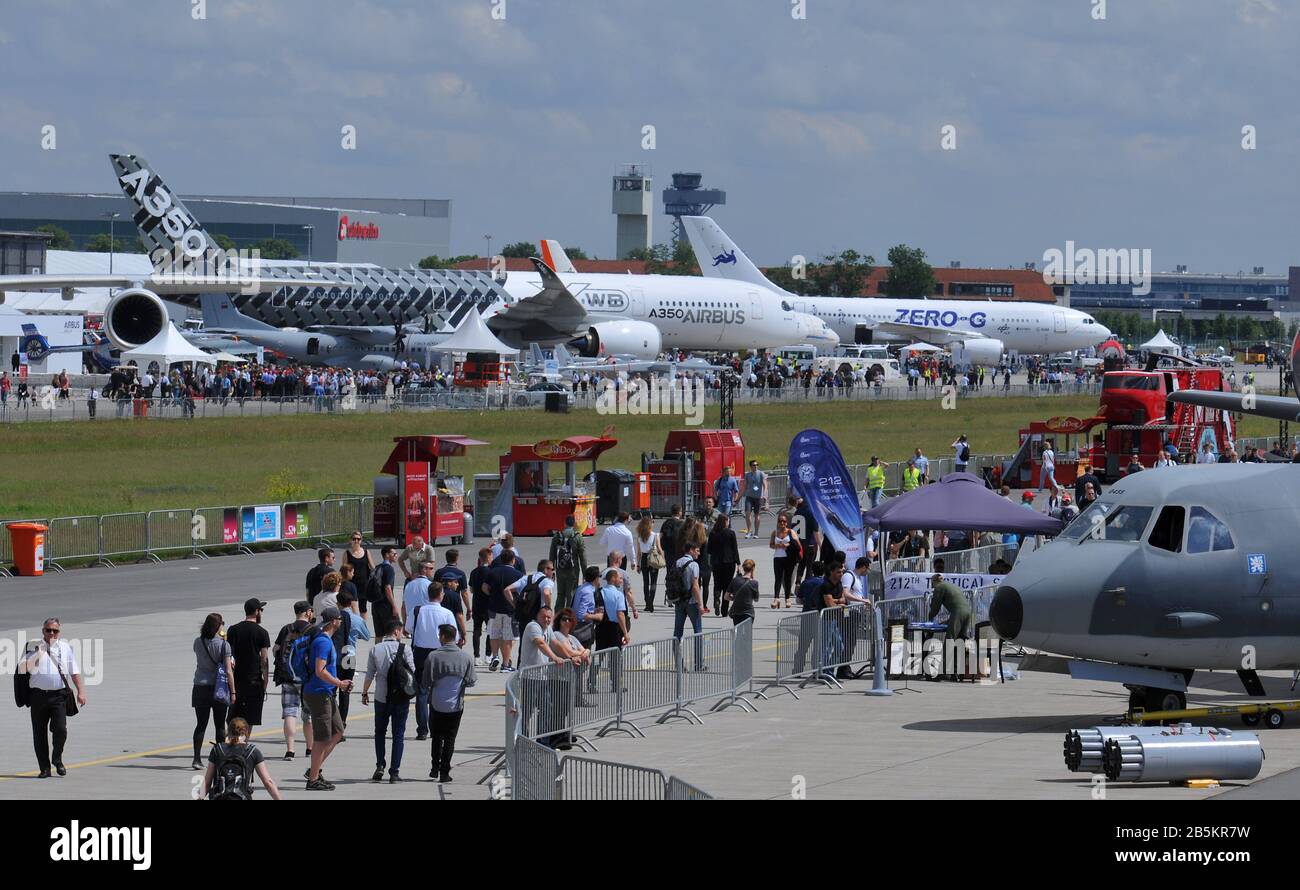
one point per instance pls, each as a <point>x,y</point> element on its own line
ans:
<point>473,336</point>
<point>920,347</point>
<point>167,348</point>
<point>1160,343</point>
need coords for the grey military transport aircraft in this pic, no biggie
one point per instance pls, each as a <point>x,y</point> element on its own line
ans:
<point>1170,571</point>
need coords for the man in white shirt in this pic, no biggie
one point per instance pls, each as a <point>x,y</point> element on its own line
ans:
<point>1207,456</point>
<point>545,578</point>
<point>425,619</point>
<point>52,668</point>
<point>415,594</point>
<point>619,537</point>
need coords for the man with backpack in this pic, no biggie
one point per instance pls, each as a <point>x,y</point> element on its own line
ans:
<point>290,690</point>
<point>315,652</point>
<point>531,593</point>
<point>380,587</point>
<point>682,589</point>
<point>961,454</point>
<point>668,534</point>
<point>569,554</point>
<point>391,669</point>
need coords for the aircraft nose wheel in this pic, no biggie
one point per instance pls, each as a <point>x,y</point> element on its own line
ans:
<point>1151,699</point>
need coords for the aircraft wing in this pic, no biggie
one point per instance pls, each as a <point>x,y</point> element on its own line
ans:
<point>1276,407</point>
<point>163,285</point>
<point>370,335</point>
<point>553,312</point>
<point>925,334</point>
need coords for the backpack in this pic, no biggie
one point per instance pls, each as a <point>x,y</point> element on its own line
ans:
<point>529,601</point>
<point>675,583</point>
<point>965,454</point>
<point>401,680</point>
<point>374,591</point>
<point>565,559</point>
<point>300,670</point>
<point>233,779</point>
<point>283,674</point>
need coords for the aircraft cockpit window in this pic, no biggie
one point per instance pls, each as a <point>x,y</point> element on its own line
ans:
<point>785,306</point>
<point>1127,524</point>
<point>1085,521</point>
<point>1167,533</point>
<point>1205,532</point>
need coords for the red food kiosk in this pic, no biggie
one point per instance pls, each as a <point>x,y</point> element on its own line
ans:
<point>692,461</point>
<point>539,504</point>
<point>416,496</point>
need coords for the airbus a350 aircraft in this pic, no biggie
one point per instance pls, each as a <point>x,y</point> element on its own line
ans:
<point>1170,571</point>
<point>597,313</point>
<point>977,331</point>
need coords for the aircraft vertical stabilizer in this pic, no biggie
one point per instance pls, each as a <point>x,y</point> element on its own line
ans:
<point>163,220</point>
<point>555,257</point>
<point>718,255</point>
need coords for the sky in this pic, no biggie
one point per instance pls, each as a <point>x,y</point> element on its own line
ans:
<point>826,130</point>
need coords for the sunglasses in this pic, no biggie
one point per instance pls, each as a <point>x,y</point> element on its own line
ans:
<point>51,630</point>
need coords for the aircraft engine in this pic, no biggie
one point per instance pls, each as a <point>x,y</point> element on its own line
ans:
<point>134,317</point>
<point>636,338</point>
<point>979,352</point>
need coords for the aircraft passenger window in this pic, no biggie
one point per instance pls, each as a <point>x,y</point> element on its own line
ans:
<point>1205,532</point>
<point>1167,533</point>
<point>1127,523</point>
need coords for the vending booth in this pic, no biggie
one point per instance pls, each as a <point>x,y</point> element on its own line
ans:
<point>418,495</point>
<point>540,495</point>
<point>691,462</point>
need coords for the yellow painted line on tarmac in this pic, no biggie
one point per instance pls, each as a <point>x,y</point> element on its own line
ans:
<point>189,746</point>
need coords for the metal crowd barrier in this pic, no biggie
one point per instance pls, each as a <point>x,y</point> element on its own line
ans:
<point>810,646</point>
<point>196,531</point>
<point>535,774</point>
<point>582,778</point>
<point>679,790</point>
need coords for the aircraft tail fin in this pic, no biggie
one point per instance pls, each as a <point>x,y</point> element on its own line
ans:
<point>162,218</point>
<point>562,357</point>
<point>555,257</point>
<point>718,255</point>
<point>33,343</point>
<point>220,314</point>
<point>535,357</point>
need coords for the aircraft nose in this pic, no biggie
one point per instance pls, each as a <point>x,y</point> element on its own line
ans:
<point>1007,612</point>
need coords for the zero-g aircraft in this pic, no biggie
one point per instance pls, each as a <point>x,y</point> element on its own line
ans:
<point>978,332</point>
<point>597,313</point>
<point>1170,571</point>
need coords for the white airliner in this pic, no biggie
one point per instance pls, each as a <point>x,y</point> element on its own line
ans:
<point>977,331</point>
<point>598,314</point>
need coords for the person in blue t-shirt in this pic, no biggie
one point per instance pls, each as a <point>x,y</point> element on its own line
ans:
<point>318,696</point>
<point>501,631</point>
<point>725,491</point>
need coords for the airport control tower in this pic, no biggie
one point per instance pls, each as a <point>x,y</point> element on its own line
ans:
<point>686,198</point>
<point>633,203</point>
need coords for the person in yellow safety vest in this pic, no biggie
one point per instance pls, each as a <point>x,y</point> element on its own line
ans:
<point>875,480</point>
<point>911,475</point>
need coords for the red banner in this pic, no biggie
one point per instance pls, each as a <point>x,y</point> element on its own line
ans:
<point>415,499</point>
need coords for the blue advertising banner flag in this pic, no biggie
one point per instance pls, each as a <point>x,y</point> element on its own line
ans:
<point>820,476</point>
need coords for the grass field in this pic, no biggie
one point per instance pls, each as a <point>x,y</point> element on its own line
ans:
<point>81,468</point>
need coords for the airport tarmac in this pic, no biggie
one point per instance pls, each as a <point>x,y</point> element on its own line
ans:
<point>938,740</point>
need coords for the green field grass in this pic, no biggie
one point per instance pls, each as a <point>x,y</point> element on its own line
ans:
<point>81,468</point>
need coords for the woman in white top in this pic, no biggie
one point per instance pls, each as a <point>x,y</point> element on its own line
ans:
<point>647,542</point>
<point>786,553</point>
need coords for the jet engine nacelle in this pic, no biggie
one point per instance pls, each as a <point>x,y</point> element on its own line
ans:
<point>637,338</point>
<point>979,352</point>
<point>134,317</point>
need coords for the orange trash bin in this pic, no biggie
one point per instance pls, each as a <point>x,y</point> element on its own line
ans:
<point>28,540</point>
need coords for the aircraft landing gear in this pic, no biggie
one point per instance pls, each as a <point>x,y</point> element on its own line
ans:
<point>1149,698</point>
